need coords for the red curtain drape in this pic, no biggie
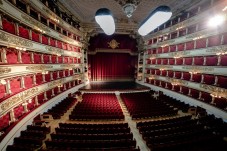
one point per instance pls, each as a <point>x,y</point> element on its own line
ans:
<point>111,66</point>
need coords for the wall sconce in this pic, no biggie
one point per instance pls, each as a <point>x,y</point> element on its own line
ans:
<point>105,20</point>
<point>156,18</point>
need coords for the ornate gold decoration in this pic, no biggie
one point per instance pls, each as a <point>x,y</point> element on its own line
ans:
<point>55,51</point>
<point>151,77</point>
<point>215,91</point>
<point>15,40</point>
<point>5,70</point>
<point>55,83</point>
<point>53,16</point>
<point>197,69</point>
<point>37,25</point>
<point>68,66</point>
<point>177,81</point>
<point>39,67</point>
<point>113,44</point>
<point>163,67</point>
<point>168,42</point>
<point>196,36</point>
<point>18,98</point>
<point>65,38</point>
<point>179,54</point>
<point>219,50</point>
<point>155,56</point>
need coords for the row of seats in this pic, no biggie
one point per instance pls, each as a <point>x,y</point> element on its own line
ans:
<point>59,109</point>
<point>30,139</point>
<point>146,107</point>
<point>97,106</point>
<point>114,136</point>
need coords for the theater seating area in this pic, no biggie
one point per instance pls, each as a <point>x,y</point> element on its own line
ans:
<point>184,133</point>
<point>30,139</point>
<point>59,109</point>
<point>97,106</point>
<point>92,137</point>
<point>142,105</point>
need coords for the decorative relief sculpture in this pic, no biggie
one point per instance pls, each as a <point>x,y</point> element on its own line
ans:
<point>15,40</point>
<point>39,67</point>
<point>5,70</point>
<point>37,25</point>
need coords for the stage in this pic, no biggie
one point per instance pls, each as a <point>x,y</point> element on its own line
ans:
<point>114,86</point>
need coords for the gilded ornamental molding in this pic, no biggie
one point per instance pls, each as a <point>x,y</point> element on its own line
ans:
<point>5,70</point>
<point>198,68</point>
<point>215,91</point>
<point>56,18</point>
<point>39,67</point>
<point>37,25</point>
<point>176,81</point>
<point>68,66</point>
<point>15,40</point>
<point>168,42</point>
<point>217,50</point>
<point>163,66</point>
<point>54,50</point>
<point>179,54</point>
<point>56,83</point>
<point>18,98</point>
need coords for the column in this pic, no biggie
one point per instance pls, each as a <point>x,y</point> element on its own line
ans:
<point>57,59</point>
<point>51,76</point>
<point>25,105</point>
<point>42,60</point>
<point>202,79</point>
<point>22,85</point>
<point>34,79</point>
<point>70,85</point>
<point>189,92</point>
<point>69,72</point>
<point>3,55</point>
<point>36,101</point>
<point>12,116</point>
<point>8,89</point>
<point>59,89</point>
<point>216,80</point>
<point>0,21</point>
<point>180,89</point>
<point>43,76</point>
<point>64,87</point>
<point>32,57</point>
<point>52,91</point>
<point>50,59</point>
<point>28,9</point>
<point>17,29</point>
<point>63,73</point>
<point>219,60</point>
<point>19,59</point>
<point>45,96</point>
<point>200,96</point>
<point>58,75</point>
<point>166,85</point>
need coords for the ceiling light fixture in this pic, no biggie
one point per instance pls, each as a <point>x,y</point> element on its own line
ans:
<point>156,18</point>
<point>217,20</point>
<point>105,20</point>
<point>129,8</point>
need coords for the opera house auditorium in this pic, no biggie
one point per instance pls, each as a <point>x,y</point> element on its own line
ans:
<point>113,75</point>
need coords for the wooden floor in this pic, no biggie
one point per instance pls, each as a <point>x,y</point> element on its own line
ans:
<point>113,86</point>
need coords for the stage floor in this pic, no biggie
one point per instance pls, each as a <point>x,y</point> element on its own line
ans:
<point>113,86</point>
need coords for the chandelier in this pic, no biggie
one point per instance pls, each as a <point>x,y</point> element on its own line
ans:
<point>128,6</point>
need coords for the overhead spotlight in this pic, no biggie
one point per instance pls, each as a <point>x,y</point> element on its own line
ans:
<point>105,20</point>
<point>216,20</point>
<point>156,18</point>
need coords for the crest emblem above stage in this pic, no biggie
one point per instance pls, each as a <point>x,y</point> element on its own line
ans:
<point>113,44</point>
